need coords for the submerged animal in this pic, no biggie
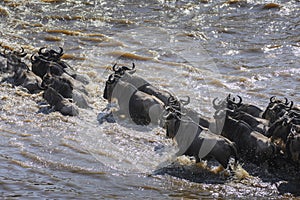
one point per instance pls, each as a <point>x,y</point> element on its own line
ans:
<point>252,145</point>
<point>194,140</point>
<point>141,107</point>
<point>59,103</point>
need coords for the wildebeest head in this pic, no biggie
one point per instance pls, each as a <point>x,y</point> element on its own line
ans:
<point>220,117</point>
<point>122,70</point>
<point>276,109</point>
<point>51,54</point>
<point>40,66</point>
<point>228,102</point>
<point>110,86</point>
<point>172,119</point>
<point>177,104</point>
<point>14,60</point>
<point>119,72</point>
<point>54,56</point>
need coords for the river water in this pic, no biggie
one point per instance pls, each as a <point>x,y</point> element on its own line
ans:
<point>203,49</point>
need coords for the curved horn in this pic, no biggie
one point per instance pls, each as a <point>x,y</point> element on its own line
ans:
<point>116,68</point>
<point>32,58</point>
<point>20,53</point>
<point>41,51</point>
<point>40,86</point>
<point>41,58</point>
<point>57,54</point>
<point>286,101</point>
<point>215,105</point>
<point>231,111</point>
<point>273,99</point>
<point>61,52</point>
<point>185,102</point>
<point>240,102</point>
<point>291,105</point>
<point>171,99</point>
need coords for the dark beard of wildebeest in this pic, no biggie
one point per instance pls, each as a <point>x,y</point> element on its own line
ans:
<point>252,145</point>
<point>194,140</point>
<point>61,84</point>
<point>126,75</point>
<point>231,103</point>
<point>50,59</point>
<point>293,144</point>
<point>141,107</point>
<point>276,109</point>
<point>22,75</point>
<point>59,103</point>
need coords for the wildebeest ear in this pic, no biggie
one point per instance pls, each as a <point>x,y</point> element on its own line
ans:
<point>273,99</point>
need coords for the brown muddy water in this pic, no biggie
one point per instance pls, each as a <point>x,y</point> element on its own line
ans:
<point>203,49</point>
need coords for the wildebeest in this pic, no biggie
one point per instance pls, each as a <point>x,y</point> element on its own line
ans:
<point>126,74</point>
<point>49,59</point>
<point>40,66</point>
<point>282,127</point>
<point>251,144</point>
<point>61,84</point>
<point>231,103</point>
<point>276,109</point>
<point>59,103</point>
<point>14,60</point>
<point>257,124</point>
<point>64,85</point>
<point>194,140</point>
<point>293,144</point>
<point>190,112</point>
<point>28,80</point>
<point>141,107</point>
<point>22,75</point>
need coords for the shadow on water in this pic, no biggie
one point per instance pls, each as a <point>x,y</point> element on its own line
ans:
<point>193,173</point>
<point>280,174</point>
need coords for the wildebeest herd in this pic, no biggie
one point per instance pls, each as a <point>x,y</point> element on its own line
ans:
<point>237,130</point>
<point>62,88</point>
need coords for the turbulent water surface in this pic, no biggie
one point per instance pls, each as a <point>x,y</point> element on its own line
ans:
<point>203,49</point>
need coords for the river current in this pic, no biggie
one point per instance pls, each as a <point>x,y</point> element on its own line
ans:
<point>198,48</point>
